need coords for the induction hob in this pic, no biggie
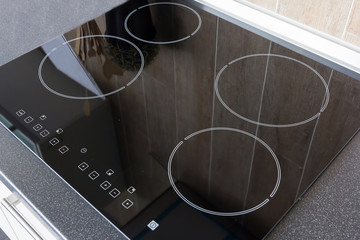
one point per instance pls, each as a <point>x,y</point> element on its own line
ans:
<point>177,124</point>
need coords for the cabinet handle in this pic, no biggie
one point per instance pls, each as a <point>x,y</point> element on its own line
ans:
<point>10,203</point>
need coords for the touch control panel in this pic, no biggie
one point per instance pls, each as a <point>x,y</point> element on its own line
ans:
<point>37,123</point>
<point>88,160</point>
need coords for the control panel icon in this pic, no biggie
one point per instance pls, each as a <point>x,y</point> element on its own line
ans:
<point>63,149</point>
<point>105,185</point>
<point>44,133</point>
<point>59,130</point>
<point>153,225</point>
<point>114,193</point>
<point>93,175</point>
<point>43,117</point>
<point>127,203</point>
<point>131,190</point>
<point>54,141</point>
<point>20,112</point>
<point>82,166</point>
<point>83,150</point>
<point>109,172</point>
<point>28,119</point>
<point>37,127</point>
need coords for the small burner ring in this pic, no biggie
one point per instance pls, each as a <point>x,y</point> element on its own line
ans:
<point>163,42</point>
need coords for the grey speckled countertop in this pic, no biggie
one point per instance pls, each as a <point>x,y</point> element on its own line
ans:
<point>327,211</point>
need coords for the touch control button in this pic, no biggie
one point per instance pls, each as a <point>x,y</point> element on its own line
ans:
<point>105,185</point>
<point>54,141</point>
<point>28,119</point>
<point>42,117</point>
<point>127,203</point>
<point>37,127</point>
<point>131,190</point>
<point>63,149</point>
<point>59,130</point>
<point>114,193</point>
<point>93,175</point>
<point>153,225</point>
<point>44,133</point>
<point>20,112</point>
<point>82,166</point>
<point>110,172</point>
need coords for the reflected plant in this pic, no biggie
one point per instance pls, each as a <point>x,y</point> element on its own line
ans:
<point>125,56</point>
<point>122,53</point>
<point>129,58</point>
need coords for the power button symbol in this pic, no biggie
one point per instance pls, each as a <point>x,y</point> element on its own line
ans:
<point>153,225</point>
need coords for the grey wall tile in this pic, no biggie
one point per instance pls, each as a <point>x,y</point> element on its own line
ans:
<point>160,111</point>
<point>194,79</point>
<point>192,164</point>
<point>240,88</point>
<point>230,164</point>
<point>137,145</point>
<point>162,66</point>
<point>132,106</point>
<point>292,94</point>
<point>194,73</point>
<point>235,42</point>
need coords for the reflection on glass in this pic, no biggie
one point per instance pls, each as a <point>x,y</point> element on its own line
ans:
<point>188,120</point>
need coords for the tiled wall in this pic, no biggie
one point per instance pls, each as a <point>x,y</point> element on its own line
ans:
<point>339,18</point>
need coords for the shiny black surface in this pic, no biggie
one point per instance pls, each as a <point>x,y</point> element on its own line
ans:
<point>159,111</point>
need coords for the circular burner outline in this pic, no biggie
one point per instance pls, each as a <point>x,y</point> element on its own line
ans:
<point>225,214</point>
<point>324,105</point>
<point>165,42</point>
<point>97,96</point>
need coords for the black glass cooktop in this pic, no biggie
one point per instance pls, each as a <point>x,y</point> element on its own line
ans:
<point>177,124</point>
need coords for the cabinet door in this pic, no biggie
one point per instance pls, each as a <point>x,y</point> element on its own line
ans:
<point>18,220</point>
